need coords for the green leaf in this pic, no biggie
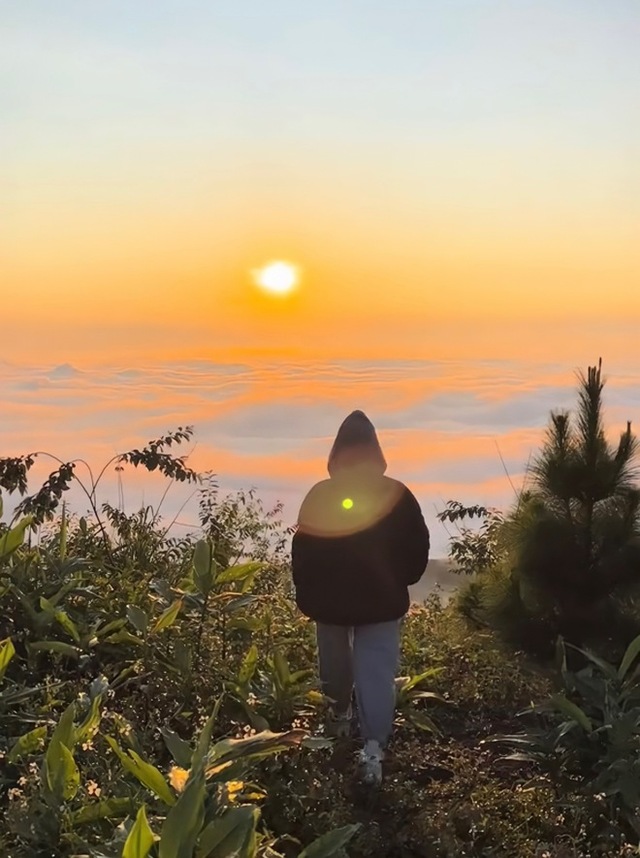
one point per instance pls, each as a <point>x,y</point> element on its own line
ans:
<point>138,618</point>
<point>239,573</point>
<point>420,678</point>
<point>199,756</point>
<point>519,757</point>
<point>35,618</point>
<point>248,666</point>
<point>566,707</point>
<point>233,833</point>
<point>423,722</point>
<point>111,626</point>
<point>148,775</point>
<point>236,603</point>
<point>124,674</point>
<point>64,731</point>
<point>254,747</point>
<point>123,636</point>
<point>140,840</point>
<point>204,567</point>
<point>632,652</point>
<point>331,843</point>
<point>62,774</point>
<point>184,821</point>
<point>14,538</point>
<point>90,725</point>
<point>14,698</point>
<point>299,676</point>
<point>110,808</point>
<point>167,618</point>
<point>281,668</point>
<point>429,695</point>
<point>64,590</point>
<point>606,668</point>
<point>60,647</point>
<point>180,750</point>
<point>27,744</point>
<point>317,743</point>
<point>46,606</point>
<point>246,624</point>
<point>64,620</point>
<point>7,652</point>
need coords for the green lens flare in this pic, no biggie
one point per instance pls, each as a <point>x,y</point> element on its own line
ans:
<point>347,503</point>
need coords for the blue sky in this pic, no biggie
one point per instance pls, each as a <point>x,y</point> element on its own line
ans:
<point>478,73</point>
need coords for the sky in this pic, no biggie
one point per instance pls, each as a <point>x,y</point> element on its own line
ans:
<point>457,182</point>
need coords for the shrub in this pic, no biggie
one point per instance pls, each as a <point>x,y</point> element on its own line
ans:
<point>587,736</point>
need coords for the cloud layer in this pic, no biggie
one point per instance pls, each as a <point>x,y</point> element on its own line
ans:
<point>449,429</point>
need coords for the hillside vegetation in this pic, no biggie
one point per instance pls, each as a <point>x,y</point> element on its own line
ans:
<point>158,695</point>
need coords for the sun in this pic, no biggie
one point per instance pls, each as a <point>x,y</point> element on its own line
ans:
<point>277,278</point>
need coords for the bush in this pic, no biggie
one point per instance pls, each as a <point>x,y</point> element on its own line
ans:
<point>587,738</point>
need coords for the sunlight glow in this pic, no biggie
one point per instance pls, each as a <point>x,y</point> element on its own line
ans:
<point>277,278</point>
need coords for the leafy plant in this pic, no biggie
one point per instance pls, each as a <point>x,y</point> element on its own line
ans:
<point>411,697</point>
<point>590,730</point>
<point>42,505</point>
<point>209,818</point>
<point>474,551</point>
<point>274,695</point>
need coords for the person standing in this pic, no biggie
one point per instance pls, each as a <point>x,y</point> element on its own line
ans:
<point>361,540</point>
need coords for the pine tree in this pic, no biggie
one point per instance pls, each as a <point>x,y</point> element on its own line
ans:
<point>578,531</point>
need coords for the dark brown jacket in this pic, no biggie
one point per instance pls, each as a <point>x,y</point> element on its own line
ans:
<point>361,537</point>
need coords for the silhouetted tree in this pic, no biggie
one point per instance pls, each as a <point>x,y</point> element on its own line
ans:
<point>577,532</point>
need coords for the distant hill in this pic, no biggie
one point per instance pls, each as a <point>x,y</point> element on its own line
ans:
<point>439,574</point>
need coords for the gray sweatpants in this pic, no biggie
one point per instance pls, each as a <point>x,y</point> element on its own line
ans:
<point>366,656</point>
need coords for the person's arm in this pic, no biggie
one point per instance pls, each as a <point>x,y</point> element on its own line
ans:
<point>415,541</point>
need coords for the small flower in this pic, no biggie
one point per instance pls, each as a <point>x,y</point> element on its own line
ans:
<point>93,789</point>
<point>178,777</point>
<point>234,788</point>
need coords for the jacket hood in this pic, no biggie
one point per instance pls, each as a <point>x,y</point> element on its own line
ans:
<point>356,447</point>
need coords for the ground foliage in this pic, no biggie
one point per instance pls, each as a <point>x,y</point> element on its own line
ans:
<point>158,697</point>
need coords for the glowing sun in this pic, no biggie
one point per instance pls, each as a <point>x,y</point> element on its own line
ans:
<point>277,278</point>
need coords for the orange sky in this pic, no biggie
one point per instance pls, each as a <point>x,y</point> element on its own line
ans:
<point>437,168</point>
<point>459,184</point>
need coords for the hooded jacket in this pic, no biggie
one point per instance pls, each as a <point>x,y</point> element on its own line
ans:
<point>361,538</point>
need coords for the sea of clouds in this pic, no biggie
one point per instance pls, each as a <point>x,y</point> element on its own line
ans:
<point>450,429</point>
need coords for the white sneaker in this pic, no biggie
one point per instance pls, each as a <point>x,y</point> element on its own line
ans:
<point>370,763</point>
